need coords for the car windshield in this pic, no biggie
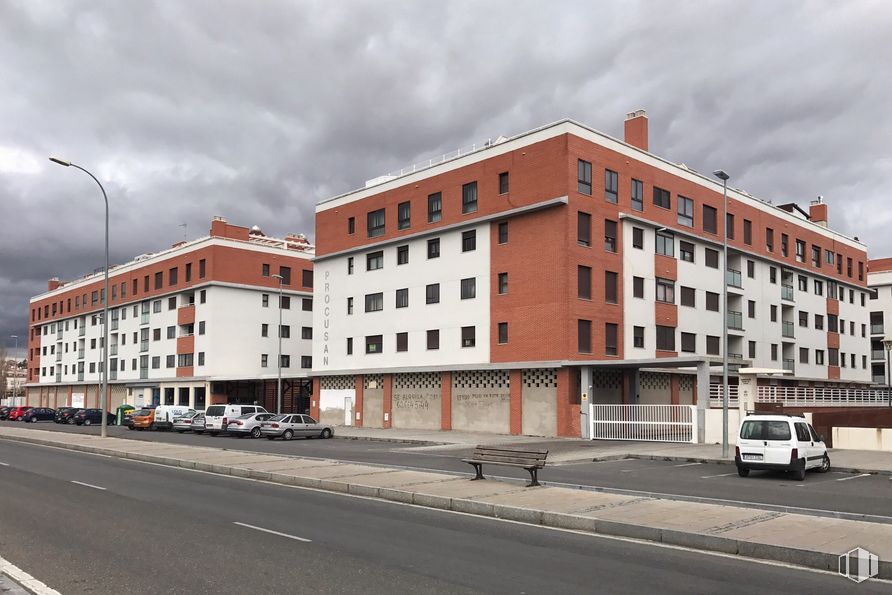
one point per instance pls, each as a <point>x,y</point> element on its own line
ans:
<point>215,410</point>
<point>765,430</point>
<point>277,417</point>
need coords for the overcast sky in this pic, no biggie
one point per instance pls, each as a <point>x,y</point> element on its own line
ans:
<point>257,110</point>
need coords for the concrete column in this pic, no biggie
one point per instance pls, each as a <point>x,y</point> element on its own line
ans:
<point>673,389</point>
<point>388,400</point>
<point>634,381</point>
<point>446,400</point>
<point>314,398</point>
<point>515,407</point>
<point>702,399</point>
<point>585,391</point>
<point>358,414</point>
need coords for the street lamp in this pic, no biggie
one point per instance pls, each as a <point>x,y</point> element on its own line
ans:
<point>279,358</point>
<point>887,343</point>
<point>104,372</point>
<point>15,368</point>
<point>720,174</point>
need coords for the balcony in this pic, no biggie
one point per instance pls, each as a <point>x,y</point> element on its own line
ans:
<point>80,353</point>
<point>58,376</point>
<point>114,324</point>
<point>58,356</point>
<point>59,332</point>
<point>113,350</point>
<point>879,379</point>
<point>787,293</point>
<point>734,278</point>
<point>876,329</point>
<point>877,354</point>
<point>143,373</point>
<point>735,320</point>
<point>113,375</point>
<point>80,376</point>
<point>735,355</point>
<point>145,318</point>
<point>143,346</point>
<point>82,331</point>
<point>787,330</point>
<point>789,365</point>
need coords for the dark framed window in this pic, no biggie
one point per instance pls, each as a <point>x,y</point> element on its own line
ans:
<point>751,308</point>
<point>662,198</point>
<point>800,251</point>
<point>349,265</point>
<point>610,287</point>
<point>583,282</point>
<point>285,272</point>
<point>306,361</point>
<point>769,239</point>
<point>685,251</point>
<point>689,343</point>
<point>402,341</point>
<point>785,244</point>
<point>375,223</point>
<point>172,276</point>
<point>503,283</point>
<point>306,278</point>
<point>306,304</point>
<point>773,313</point>
<point>638,337</point>
<point>710,219</point>
<point>374,302</point>
<point>264,270</point>
<point>503,333</point>
<point>819,322</point>
<point>611,332</point>
<point>374,260</point>
<point>665,290</point>
<point>803,319</point>
<point>503,232</point>
<point>772,275</point>
<point>159,280</point>
<point>665,243</point>
<point>306,332</point>
<point>688,296</point>
<point>469,288</point>
<point>711,258</point>
<point>349,345</point>
<point>774,352</point>
<point>404,215</point>
<point>432,293</point>
<point>685,211</point>
<point>611,186</point>
<point>433,248</point>
<point>402,298</point>
<point>803,355</point>
<point>469,240</point>
<point>637,195</point>
<point>584,177</point>
<point>434,207</point>
<point>584,228</point>
<point>374,344</point>
<point>584,336</point>
<point>638,287</point>
<point>747,232</point>
<point>469,197</point>
<point>402,254</point>
<point>468,336</point>
<point>751,269</point>
<point>638,238</point>
<point>433,339</point>
<point>351,225</point>
<point>729,225</point>
<point>188,279</point>
<point>665,338</point>
<point>503,183</point>
<point>713,345</point>
<point>610,235</point>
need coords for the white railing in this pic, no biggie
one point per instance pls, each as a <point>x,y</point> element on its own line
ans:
<point>715,395</point>
<point>428,163</point>
<point>823,396</point>
<point>652,423</point>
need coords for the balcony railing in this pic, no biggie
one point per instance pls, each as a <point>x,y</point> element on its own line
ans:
<point>734,278</point>
<point>789,365</point>
<point>59,332</point>
<point>735,355</point>
<point>735,320</point>
<point>879,380</point>
<point>80,353</point>
<point>58,356</point>
<point>145,318</point>
<point>787,330</point>
<point>114,324</point>
<point>787,292</point>
<point>879,354</point>
<point>143,373</point>
<point>82,331</point>
<point>58,376</point>
<point>876,329</point>
<point>80,376</point>
<point>113,350</point>
<point>143,346</point>
<point>113,375</point>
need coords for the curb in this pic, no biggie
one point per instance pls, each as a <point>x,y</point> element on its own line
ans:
<point>698,541</point>
<point>396,440</point>
<point>645,457</point>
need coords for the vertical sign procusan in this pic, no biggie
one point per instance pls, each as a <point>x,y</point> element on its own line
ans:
<point>326,317</point>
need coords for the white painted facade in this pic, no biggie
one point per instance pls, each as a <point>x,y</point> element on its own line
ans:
<point>880,308</point>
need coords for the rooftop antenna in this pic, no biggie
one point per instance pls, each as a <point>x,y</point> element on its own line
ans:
<point>185,227</point>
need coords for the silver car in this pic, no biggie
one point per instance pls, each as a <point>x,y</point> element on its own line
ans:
<point>293,425</point>
<point>183,423</point>
<point>198,423</point>
<point>247,425</point>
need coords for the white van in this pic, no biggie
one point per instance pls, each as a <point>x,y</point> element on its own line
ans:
<point>165,414</point>
<point>217,417</point>
<point>779,442</point>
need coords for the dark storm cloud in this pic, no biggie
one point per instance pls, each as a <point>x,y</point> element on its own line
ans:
<point>257,110</point>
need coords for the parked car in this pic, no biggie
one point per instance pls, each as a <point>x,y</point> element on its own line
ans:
<point>87,417</point>
<point>290,426</point>
<point>198,423</point>
<point>781,443</point>
<point>217,416</point>
<point>4,412</point>
<point>183,423</point>
<point>64,414</point>
<point>142,419</point>
<point>16,412</point>
<point>36,414</point>
<point>247,425</point>
<point>165,414</point>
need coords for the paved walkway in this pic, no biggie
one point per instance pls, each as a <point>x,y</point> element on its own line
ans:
<point>798,539</point>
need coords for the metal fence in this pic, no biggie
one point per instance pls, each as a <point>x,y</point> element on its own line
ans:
<point>822,396</point>
<point>654,423</point>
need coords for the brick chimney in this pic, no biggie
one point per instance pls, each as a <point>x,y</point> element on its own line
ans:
<point>817,211</point>
<point>221,229</point>
<point>53,283</point>
<point>636,129</point>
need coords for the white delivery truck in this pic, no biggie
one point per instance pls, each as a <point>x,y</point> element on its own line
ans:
<point>165,414</point>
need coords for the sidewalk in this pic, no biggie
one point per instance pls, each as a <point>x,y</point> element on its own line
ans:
<point>564,450</point>
<point>808,541</point>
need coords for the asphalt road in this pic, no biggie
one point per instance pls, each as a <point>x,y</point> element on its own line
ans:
<point>137,528</point>
<point>832,492</point>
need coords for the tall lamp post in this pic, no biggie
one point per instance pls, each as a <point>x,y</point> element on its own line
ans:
<point>720,174</point>
<point>15,368</point>
<point>104,372</point>
<point>279,357</point>
<point>887,343</point>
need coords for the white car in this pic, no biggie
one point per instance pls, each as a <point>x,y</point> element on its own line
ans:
<point>247,425</point>
<point>165,414</point>
<point>217,417</point>
<point>781,443</point>
<point>184,422</point>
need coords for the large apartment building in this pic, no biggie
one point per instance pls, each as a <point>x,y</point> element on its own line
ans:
<point>192,325</point>
<point>503,289</point>
<point>879,278</point>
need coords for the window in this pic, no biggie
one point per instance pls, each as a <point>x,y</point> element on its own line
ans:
<point>402,298</point>
<point>202,296</point>
<point>351,225</point>
<point>610,235</point>
<point>375,223</point>
<point>747,232</point>
<point>774,352</point>
<point>468,336</point>
<point>769,239</point>
<point>469,288</point>
<point>306,361</point>
<point>373,344</point>
<point>584,177</point>
<point>711,258</point>
<point>434,207</point>
<point>172,303</point>
<point>402,341</point>
<point>839,258</point>
<point>171,332</point>
<point>713,345</point>
<point>772,275</point>
<point>285,302</point>
<point>773,313</point>
<point>833,356</point>
<point>156,362</point>
<point>637,238</point>
<point>685,211</point>
<point>172,276</point>
<point>156,306</point>
<point>710,219</point>
<point>264,300</point>
<point>686,251</point>
<point>803,319</point>
<point>433,248</point>
<point>688,296</point>
<point>800,251</point>
<point>819,357</point>
<point>200,327</point>
<point>662,198</point>
<point>816,256</point>
<point>285,331</point>
<point>584,228</point>
<point>849,267</point>
<point>349,345</point>
<point>665,243</point>
<point>433,339</point>
<point>833,323</point>
<point>610,292</point>
<point>169,362</point>
<point>750,269</point>
<point>665,290</point>
<point>503,283</point>
<point>860,275</point>
<point>637,195</point>
<point>374,260</point>
<point>751,349</point>
<point>503,232</point>
<point>785,247</point>
<point>159,280</point>
<point>819,322</point>
<point>404,215</point>
<point>432,293</point>
<point>819,287</point>
<point>638,287</point>
<point>638,337</point>
<point>584,336</point>
<point>611,185</point>
<point>306,278</point>
<point>751,309</point>
<point>610,338</point>
<point>184,360</point>
<point>665,338</point>
<point>349,265</point>
<point>503,333</point>
<point>503,183</point>
<point>803,283</point>
<point>469,197</point>
<point>469,240</point>
<point>712,301</point>
<point>374,302</point>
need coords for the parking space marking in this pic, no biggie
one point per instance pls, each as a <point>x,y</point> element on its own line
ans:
<point>853,477</point>
<point>294,537</point>
<point>88,485</point>
<point>2,464</point>
<point>719,475</point>
<point>687,464</point>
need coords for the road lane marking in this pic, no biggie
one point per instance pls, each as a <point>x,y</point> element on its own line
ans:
<point>26,580</point>
<point>294,537</point>
<point>2,464</point>
<point>853,477</point>
<point>719,475</point>
<point>687,464</point>
<point>88,485</point>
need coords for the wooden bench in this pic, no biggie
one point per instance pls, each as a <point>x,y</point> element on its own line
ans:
<point>531,460</point>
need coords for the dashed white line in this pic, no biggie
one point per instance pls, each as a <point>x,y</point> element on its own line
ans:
<point>88,485</point>
<point>294,537</point>
<point>687,464</point>
<point>853,477</point>
<point>719,475</point>
<point>2,464</point>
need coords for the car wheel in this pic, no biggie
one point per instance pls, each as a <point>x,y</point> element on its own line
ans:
<point>255,433</point>
<point>288,435</point>
<point>825,464</point>
<point>129,427</point>
<point>743,472</point>
<point>87,422</point>
<point>70,421</point>
<point>326,433</point>
<point>33,420</point>
<point>799,473</point>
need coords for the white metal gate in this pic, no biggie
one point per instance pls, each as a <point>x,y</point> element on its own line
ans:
<point>656,423</point>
